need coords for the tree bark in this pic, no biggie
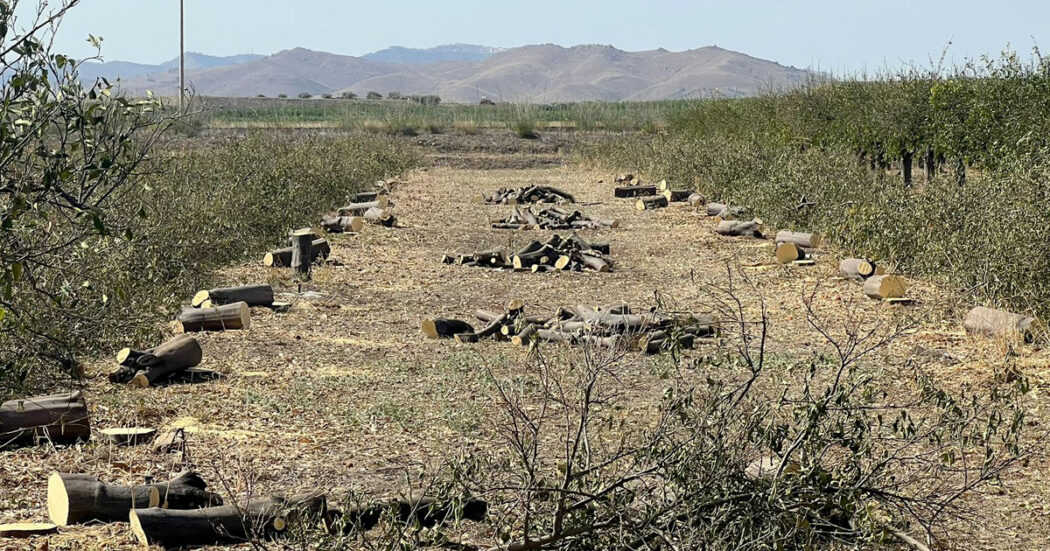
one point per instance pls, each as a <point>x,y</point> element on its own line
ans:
<point>930,164</point>
<point>221,318</point>
<point>790,252</point>
<point>27,530</point>
<point>262,518</point>
<point>717,209</point>
<point>998,323</point>
<point>79,498</point>
<point>426,511</point>
<point>696,200</point>
<point>302,256</point>
<point>58,418</point>
<point>253,295</point>
<point>677,195</point>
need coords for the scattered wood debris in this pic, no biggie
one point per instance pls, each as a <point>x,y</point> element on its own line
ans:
<point>550,218</point>
<point>627,186</point>
<point>613,326</point>
<point>524,195</point>
<point>556,254</point>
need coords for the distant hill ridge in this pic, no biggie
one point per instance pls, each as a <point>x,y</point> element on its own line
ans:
<point>465,73</point>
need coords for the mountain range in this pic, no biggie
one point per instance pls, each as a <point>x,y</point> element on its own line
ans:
<point>466,74</point>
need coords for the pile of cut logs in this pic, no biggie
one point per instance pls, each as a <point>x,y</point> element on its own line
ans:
<point>372,207</point>
<point>556,254</point>
<point>550,218</point>
<point>528,194</point>
<point>615,326</point>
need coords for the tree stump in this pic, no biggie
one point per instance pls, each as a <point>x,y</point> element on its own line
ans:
<point>998,323</point>
<point>302,258</point>
<point>883,287</point>
<point>221,318</point>
<point>696,200</point>
<point>58,418</point>
<point>259,518</point>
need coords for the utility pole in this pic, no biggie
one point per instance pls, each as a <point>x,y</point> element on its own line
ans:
<point>182,55</point>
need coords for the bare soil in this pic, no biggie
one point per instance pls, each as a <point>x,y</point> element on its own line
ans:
<point>344,392</point>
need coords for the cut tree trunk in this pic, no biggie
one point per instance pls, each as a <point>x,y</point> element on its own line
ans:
<point>677,195</point>
<point>445,328</point>
<point>380,216</point>
<point>342,224</point>
<point>319,249</point>
<point>260,518</point>
<point>737,228</point>
<point>929,165</point>
<point>58,418</point>
<point>426,511</point>
<point>165,360</point>
<point>649,203</point>
<point>857,269</point>
<point>254,295</point>
<point>696,200</point>
<point>906,165</point>
<point>625,192</point>
<point>998,323</point>
<point>302,255</point>
<point>621,323</point>
<point>221,318</point>
<point>806,240</point>
<point>716,209</point>
<point>358,209</point>
<point>27,530</point>
<point>79,498</point>
<point>883,287</point>
<point>790,252</point>
<point>129,436</point>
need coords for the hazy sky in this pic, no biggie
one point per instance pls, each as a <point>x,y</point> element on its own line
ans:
<point>835,35</point>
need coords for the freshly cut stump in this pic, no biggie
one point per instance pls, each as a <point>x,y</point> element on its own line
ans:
<point>883,287</point>
<point>222,318</point>
<point>649,203</point>
<point>130,436</point>
<point>27,529</point>
<point>264,517</point>
<point>857,269</point>
<point>254,295</point>
<point>59,418</point>
<point>998,323</point>
<point>436,328</point>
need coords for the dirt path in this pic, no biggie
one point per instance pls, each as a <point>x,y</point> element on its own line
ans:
<point>343,391</point>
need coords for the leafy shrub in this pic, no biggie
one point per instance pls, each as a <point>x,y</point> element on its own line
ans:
<point>526,128</point>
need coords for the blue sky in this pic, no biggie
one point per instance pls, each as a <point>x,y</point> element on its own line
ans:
<point>839,36</point>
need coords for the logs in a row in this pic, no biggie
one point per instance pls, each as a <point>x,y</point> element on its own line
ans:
<point>219,318</point>
<point>253,295</point>
<point>79,498</point>
<point>319,251</point>
<point>738,228</point>
<point>609,327</point>
<point>556,254</point>
<point>142,368</point>
<point>59,418</point>
<point>261,518</point>
<point>550,218</point>
<point>999,324</point>
<point>528,194</point>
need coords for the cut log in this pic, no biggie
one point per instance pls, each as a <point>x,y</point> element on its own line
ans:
<point>358,209</point>
<point>260,518</point>
<point>595,263</point>
<point>737,228</point>
<point>857,269</point>
<point>221,318</point>
<point>366,196</point>
<point>998,323</point>
<point>78,498</point>
<point>58,418</point>
<point>806,240</point>
<point>716,209</point>
<point>130,436</point>
<point>436,328</point>
<point>319,251</point>
<point>625,192</point>
<point>380,216</point>
<point>883,287</point>
<point>524,337</point>
<point>342,224</point>
<point>696,200</point>
<point>27,529</point>
<point>619,322</point>
<point>425,511</point>
<point>677,195</point>
<point>302,257</point>
<point>790,252</point>
<point>176,354</point>
<point>253,295</point>
<point>649,203</point>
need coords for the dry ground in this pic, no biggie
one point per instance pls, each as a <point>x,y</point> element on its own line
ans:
<point>344,392</point>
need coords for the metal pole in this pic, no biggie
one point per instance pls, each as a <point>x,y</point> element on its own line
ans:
<point>182,55</point>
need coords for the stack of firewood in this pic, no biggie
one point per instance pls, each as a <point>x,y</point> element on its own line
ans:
<point>372,207</point>
<point>527,194</point>
<point>550,218</point>
<point>615,326</point>
<point>556,254</point>
<point>627,185</point>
